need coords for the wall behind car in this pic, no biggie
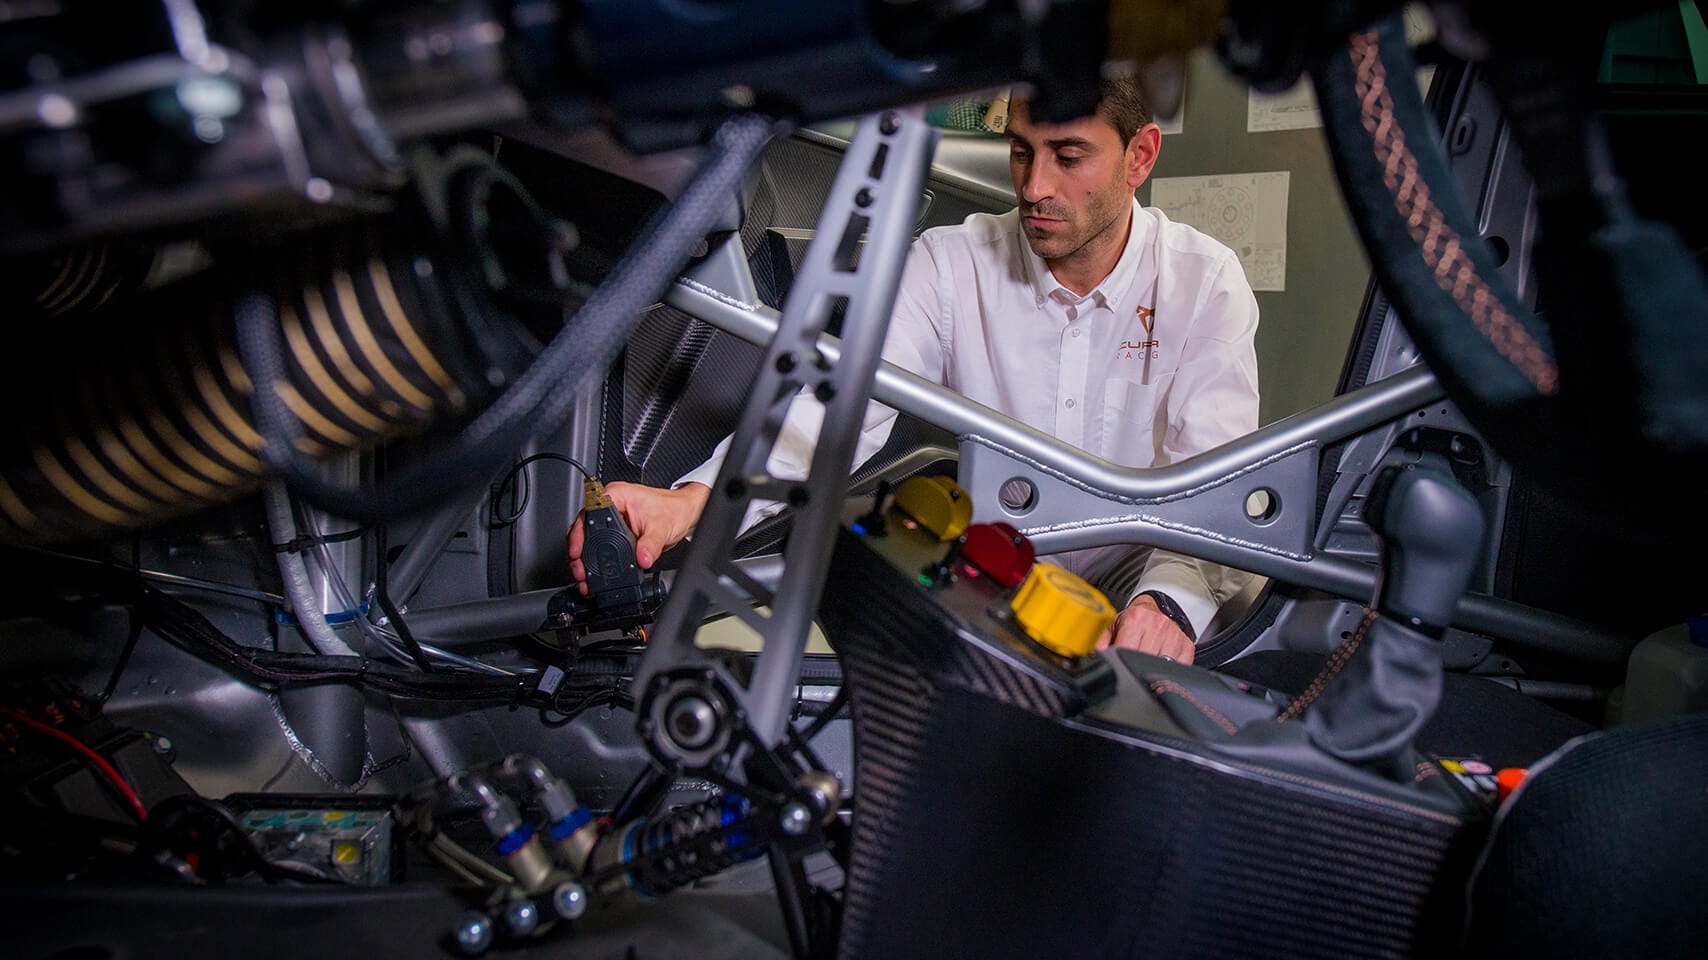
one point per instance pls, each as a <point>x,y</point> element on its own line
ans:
<point>1305,330</point>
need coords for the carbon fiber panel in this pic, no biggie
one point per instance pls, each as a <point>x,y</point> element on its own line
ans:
<point>990,823</point>
<point>663,416</point>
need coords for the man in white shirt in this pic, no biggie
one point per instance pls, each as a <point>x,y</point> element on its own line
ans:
<point>1081,313</point>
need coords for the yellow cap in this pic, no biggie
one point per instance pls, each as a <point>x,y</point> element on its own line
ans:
<point>1060,611</point>
<point>937,503</point>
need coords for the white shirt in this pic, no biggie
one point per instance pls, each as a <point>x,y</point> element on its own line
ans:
<point>1139,371</point>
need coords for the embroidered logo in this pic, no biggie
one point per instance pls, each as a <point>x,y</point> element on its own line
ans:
<point>1141,349</point>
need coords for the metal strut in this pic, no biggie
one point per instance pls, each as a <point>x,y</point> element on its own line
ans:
<point>691,701</point>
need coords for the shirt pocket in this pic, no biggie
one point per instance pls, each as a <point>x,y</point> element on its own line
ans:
<point>1135,420</point>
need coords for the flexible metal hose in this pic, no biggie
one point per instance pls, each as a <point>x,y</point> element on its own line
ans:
<point>144,411</point>
<point>543,395</point>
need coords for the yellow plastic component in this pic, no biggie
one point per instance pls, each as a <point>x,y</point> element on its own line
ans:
<point>1060,611</point>
<point>346,853</point>
<point>593,495</point>
<point>939,505</point>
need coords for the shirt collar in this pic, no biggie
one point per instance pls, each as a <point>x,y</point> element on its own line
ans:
<point>1106,293</point>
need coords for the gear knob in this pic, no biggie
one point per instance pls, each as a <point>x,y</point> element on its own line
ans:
<point>1431,533</point>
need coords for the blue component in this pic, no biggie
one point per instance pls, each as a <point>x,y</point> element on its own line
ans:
<point>1698,630</point>
<point>342,616</point>
<point>858,529</point>
<point>683,825</point>
<point>629,856</point>
<point>513,840</point>
<point>736,807</point>
<point>573,821</point>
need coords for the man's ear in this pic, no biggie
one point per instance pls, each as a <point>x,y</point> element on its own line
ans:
<point>1141,154</point>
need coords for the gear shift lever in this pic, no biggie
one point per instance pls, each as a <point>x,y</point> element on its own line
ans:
<point>1430,531</point>
<point>1389,675</point>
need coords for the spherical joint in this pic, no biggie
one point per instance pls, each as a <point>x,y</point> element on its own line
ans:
<point>569,900</point>
<point>691,722</point>
<point>823,790</point>
<point>473,933</point>
<point>795,818</point>
<point>521,917</point>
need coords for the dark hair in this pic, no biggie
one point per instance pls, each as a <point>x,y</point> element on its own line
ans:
<point>1124,106</point>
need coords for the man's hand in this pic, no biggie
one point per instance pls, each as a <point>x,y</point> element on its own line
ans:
<point>1145,628</point>
<point>660,519</point>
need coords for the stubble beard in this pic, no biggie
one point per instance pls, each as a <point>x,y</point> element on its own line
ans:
<point>1064,246</point>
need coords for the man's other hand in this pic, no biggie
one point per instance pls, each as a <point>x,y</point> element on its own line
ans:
<point>1145,628</point>
<point>659,519</point>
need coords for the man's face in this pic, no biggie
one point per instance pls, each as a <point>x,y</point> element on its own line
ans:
<point>1074,180</point>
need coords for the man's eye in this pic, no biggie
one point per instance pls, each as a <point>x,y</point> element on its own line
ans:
<point>1068,161</point>
<point>1020,155</point>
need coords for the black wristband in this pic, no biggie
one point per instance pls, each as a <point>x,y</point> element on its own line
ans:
<point>1172,611</point>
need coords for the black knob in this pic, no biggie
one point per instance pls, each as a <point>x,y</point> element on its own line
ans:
<point>1431,534</point>
<point>872,523</point>
<point>942,571</point>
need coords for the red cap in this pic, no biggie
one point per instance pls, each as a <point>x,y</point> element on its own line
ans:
<point>1508,779</point>
<point>999,551</point>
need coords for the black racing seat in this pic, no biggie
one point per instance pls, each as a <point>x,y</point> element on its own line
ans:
<point>1603,851</point>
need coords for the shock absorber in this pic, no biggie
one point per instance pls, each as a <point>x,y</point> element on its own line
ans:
<point>653,856</point>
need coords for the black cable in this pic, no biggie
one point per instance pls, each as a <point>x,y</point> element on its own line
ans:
<point>185,627</point>
<point>135,630</point>
<point>520,499</point>
<point>539,399</point>
<point>618,646</point>
<point>305,541</point>
<point>392,613</point>
<point>290,761</point>
<point>124,659</point>
<point>611,695</point>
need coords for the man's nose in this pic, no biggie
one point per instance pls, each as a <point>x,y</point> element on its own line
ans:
<point>1035,184</point>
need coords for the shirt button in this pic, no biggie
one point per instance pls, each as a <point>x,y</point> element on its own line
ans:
<point>1077,332</point>
<point>1070,403</point>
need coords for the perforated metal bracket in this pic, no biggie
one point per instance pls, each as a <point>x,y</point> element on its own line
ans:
<point>856,256</point>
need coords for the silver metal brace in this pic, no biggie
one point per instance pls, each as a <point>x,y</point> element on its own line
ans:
<point>876,197</point>
<point>1198,506</point>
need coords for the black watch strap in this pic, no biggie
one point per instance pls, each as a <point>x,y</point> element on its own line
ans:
<point>1172,611</point>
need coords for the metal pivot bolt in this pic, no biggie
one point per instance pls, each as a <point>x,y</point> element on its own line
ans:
<point>824,791</point>
<point>691,722</point>
<point>795,818</point>
<point>569,900</point>
<point>521,917</point>
<point>473,933</point>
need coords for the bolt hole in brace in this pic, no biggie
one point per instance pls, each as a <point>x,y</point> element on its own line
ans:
<point>698,713</point>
